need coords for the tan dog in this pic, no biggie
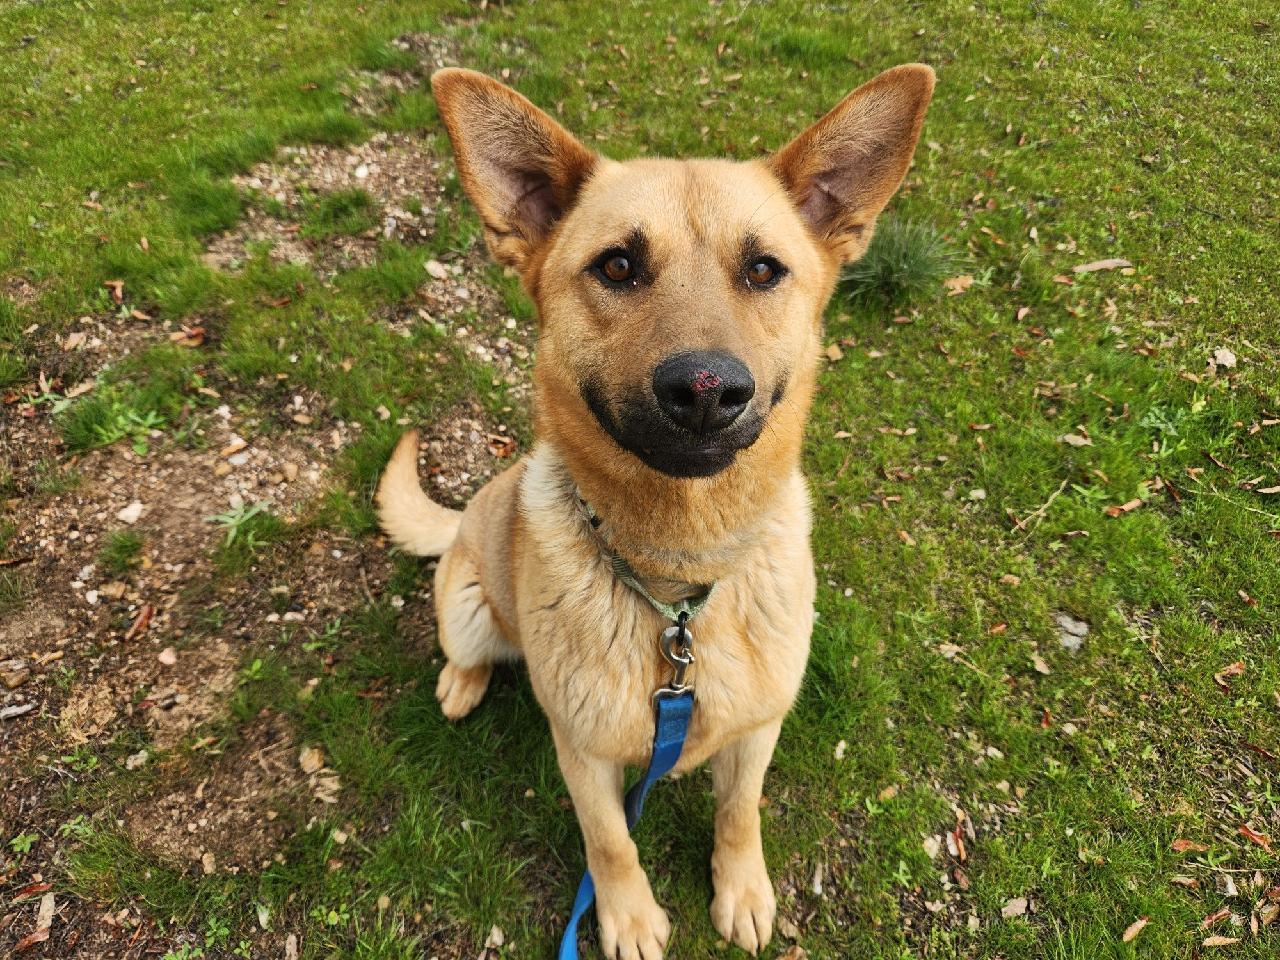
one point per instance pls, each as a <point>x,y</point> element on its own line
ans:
<point>680,305</point>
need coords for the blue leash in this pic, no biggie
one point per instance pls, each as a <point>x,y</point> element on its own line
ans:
<point>673,710</point>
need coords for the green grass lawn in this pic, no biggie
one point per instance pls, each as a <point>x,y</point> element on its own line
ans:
<point>955,528</point>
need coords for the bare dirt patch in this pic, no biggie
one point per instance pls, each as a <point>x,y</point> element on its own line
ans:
<point>397,171</point>
<point>370,92</point>
<point>84,638</point>
<point>401,174</point>
<point>67,364</point>
<point>232,816</point>
<point>20,290</point>
<point>457,296</point>
<point>463,451</point>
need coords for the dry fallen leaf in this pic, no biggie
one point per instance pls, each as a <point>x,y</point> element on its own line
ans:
<point>1075,440</point>
<point>30,940</point>
<point>1183,846</point>
<point>1133,929</point>
<point>1116,511</point>
<point>1216,941</point>
<point>958,285</point>
<point>1224,357</point>
<point>44,915</point>
<point>1014,908</point>
<point>834,353</point>
<point>1220,914</point>
<point>1230,670</point>
<point>1261,839</point>
<point>311,759</point>
<point>1111,263</point>
<point>117,290</point>
<point>190,337</point>
<point>501,446</point>
<point>140,622</point>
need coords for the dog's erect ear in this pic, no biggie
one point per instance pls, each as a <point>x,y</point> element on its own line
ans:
<point>842,170</point>
<point>521,169</point>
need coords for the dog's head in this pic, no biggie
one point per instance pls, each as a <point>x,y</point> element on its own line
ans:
<point>680,302</point>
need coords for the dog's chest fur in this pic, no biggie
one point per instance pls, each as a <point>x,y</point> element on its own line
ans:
<point>591,642</point>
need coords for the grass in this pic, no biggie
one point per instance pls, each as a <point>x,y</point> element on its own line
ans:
<point>340,212</point>
<point>13,591</point>
<point>120,552</point>
<point>249,529</point>
<point>952,523</point>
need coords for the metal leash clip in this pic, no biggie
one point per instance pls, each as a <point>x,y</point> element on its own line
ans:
<point>676,644</point>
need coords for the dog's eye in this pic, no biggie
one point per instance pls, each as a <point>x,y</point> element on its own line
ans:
<point>764,272</point>
<point>615,268</point>
<point>618,269</point>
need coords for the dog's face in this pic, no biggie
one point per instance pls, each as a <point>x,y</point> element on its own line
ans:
<point>680,301</point>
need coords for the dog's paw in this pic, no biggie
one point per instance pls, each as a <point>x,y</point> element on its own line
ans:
<point>632,925</point>
<point>744,905</point>
<point>461,688</point>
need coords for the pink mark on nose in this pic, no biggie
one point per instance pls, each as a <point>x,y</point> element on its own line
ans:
<point>704,380</point>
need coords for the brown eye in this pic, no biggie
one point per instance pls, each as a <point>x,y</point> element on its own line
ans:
<point>764,272</point>
<point>618,269</point>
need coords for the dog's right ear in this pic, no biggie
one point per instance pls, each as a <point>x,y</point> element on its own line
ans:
<point>520,168</point>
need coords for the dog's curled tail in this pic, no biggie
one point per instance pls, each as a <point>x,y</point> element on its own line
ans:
<point>415,522</point>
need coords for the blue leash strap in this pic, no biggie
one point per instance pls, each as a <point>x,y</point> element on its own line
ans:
<point>673,710</point>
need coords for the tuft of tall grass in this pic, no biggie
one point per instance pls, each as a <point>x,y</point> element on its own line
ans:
<point>120,552</point>
<point>905,261</point>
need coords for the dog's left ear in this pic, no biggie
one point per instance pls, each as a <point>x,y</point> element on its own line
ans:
<point>520,168</point>
<point>842,171</point>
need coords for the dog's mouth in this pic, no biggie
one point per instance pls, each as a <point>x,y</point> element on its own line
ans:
<point>640,427</point>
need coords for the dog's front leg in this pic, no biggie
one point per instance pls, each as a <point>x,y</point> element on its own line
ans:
<point>632,925</point>
<point>744,905</point>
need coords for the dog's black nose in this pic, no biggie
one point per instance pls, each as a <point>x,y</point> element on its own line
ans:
<point>703,391</point>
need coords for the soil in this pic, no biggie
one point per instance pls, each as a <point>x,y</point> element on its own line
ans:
<point>149,655</point>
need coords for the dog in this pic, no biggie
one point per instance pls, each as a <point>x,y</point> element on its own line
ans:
<point>680,309</point>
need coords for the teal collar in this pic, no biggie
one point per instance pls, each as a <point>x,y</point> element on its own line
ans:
<point>680,611</point>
